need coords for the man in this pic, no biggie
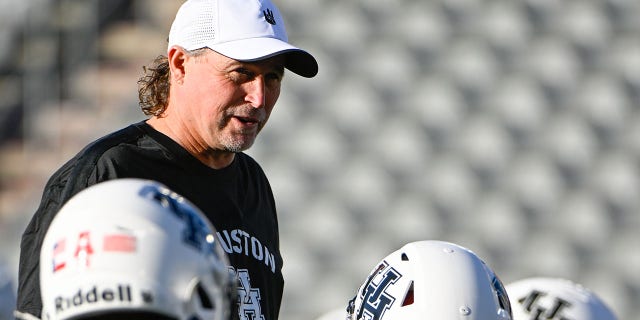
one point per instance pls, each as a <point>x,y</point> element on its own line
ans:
<point>207,101</point>
<point>431,280</point>
<point>149,255</point>
<point>539,298</point>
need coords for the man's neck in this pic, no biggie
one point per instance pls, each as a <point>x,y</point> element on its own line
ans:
<point>215,159</point>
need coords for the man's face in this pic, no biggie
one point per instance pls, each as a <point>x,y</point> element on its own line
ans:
<point>224,103</point>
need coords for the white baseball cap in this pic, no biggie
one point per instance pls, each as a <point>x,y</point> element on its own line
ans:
<point>243,30</point>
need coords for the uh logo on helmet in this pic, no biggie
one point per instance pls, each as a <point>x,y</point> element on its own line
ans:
<point>376,301</point>
<point>538,298</point>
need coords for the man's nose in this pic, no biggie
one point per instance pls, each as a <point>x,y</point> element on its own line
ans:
<point>256,92</point>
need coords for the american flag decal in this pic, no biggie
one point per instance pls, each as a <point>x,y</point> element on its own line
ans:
<point>58,250</point>
<point>119,243</point>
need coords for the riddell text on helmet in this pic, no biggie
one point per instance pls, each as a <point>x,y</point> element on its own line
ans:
<point>94,295</point>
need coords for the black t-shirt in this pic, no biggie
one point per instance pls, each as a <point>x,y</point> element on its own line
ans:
<point>237,199</point>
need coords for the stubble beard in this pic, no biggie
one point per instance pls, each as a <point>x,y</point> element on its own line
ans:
<point>234,145</point>
<point>237,141</point>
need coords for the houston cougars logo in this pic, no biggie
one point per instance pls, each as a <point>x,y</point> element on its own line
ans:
<point>248,297</point>
<point>375,300</point>
<point>531,305</point>
<point>195,230</point>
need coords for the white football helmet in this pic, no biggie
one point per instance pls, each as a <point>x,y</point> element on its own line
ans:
<point>555,298</point>
<point>133,249</point>
<point>335,314</point>
<point>431,280</point>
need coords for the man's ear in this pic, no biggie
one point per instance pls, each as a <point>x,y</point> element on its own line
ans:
<point>177,57</point>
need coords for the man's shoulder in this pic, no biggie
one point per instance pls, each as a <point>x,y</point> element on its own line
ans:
<point>129,135</point>
<point>87,159</point>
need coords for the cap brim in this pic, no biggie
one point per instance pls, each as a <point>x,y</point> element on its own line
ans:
<point>296,60</point>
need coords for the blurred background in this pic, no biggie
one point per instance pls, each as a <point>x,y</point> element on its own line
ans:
<point>509,127</point>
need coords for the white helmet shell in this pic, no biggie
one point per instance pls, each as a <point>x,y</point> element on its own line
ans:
<point>433,279</point>
<point>133,246</point>
<point>555,298</point>
<point>335,314</point>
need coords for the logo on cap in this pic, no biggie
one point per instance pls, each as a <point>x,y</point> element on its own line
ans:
<point>268,15</point>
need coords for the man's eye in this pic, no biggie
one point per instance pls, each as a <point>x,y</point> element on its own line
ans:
<point>243,71</point>
<point>240,75</point>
